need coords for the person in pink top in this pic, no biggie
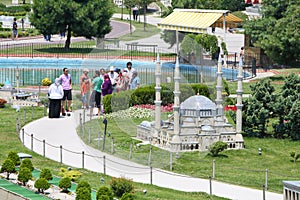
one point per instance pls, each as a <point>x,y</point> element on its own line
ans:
<point>66,83</point>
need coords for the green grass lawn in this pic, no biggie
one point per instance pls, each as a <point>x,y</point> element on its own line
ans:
<point>243,167</point>
<point>10,142</point>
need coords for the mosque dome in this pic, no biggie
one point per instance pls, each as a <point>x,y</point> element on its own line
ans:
<point>198,102</point>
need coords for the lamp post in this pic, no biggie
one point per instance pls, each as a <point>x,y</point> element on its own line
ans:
<point>122,9</point>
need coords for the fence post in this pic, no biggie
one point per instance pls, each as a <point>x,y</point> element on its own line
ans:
<point>61,148</point>
<point>81,128</point>
<point>23,133</point>
<point>84,116</point>
<point>151,175</point>
<point>266,181</point>
<point>130,151</point>
<point>32,112</point>
<point>98,139</point>
<point>210,186</point>
<point>150,156</point>
<point>171,161</point>
<point>214,169</point>
<point>264,192</point>
<point>44,148</point>
<point>31,142</point>
<point>82,159</point>
<point>104,167</point>
<point>89,136</point>
<point>17,124</point>
<point>24,116</point>
<point>113,145</point>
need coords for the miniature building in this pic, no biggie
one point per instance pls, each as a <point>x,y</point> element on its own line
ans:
<point>291,190</point>
<point>199,128</point>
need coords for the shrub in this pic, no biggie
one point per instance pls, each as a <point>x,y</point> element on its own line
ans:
<point>83,184</point>
<point>104,193</point>
<point>73,175</point>
<point>2,103</point>
<point>41,184</point>
<point>27,163</point>
<point>127,196</point>
<point>217,147</point>
<point>24,175</point>
<point>14,157</point>
<point>83,194</point>
<point>65,183</point>
<point>46,174</point>
<point>46,82</point>
<point>8,167</point>
<point>120,186</point>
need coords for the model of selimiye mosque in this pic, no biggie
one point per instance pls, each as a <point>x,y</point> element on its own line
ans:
<point>195,123</point>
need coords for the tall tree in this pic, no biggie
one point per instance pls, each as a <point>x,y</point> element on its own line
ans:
<point>294,121</point>
<point>79,17</point>
<point>277,32</point>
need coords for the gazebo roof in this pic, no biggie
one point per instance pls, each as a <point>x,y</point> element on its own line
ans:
<point>197,20</point>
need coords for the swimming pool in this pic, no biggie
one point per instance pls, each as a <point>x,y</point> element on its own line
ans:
<point>32,71</point>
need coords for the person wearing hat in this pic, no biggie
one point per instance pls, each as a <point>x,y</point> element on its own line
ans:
<point>113,76</point>
<point>85,87</point>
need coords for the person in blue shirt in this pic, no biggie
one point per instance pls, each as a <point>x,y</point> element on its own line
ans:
<point>135,81</point>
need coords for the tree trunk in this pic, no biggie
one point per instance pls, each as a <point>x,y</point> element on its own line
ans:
<point>7,176</point>
<point>68,41</point>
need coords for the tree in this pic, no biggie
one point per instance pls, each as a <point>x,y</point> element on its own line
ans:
<point>104,193</point>
<point>83,194</point>
<point>46,174</point>
<point>144,4</point>
<point>84,184</point>
<point>81,18</point>
<point>27,163</point>
<point>65,183</point>
<point>8,167</point>
<point>24,175</point>
<point>41,184</point>
<point>217,148</point>
<point>294,121</point>
<point>120,186</point>
<point>14,157</point>
<point>169,36</point>
<point>277,31</point>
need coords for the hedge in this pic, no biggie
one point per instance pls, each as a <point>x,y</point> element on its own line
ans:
<point>146,95</point>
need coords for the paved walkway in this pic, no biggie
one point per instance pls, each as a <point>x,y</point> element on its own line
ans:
<point>62,144</point>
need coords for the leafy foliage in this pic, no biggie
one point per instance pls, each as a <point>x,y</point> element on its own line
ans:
<point>80,18</point>
<point>8,167</point>
<point>41,184</point>
<point>12,155</point>
<point>217,148</point>
<point>46,174</point>
<point>83,193</point>
<point>295,156</point>
<point>127,196</point>
<point>65,183</point>
<point>73,175</point>
<point>27,163</point>
<point>24,175</point>
<point>104,193</point>
<point>121,186</point>
<point>276,32</point>
<point>83,184</point>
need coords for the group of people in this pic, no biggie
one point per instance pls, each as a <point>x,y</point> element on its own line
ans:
<point>92,89</point>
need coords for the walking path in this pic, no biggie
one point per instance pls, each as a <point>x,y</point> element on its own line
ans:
<point>62,144</point>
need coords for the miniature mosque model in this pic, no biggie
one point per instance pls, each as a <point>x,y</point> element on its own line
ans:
<point>197,122</point>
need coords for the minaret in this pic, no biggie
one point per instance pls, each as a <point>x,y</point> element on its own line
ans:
<point>157,98</point>
<point>176,98</point>
<point>219,88</point>
<point>239,103</point>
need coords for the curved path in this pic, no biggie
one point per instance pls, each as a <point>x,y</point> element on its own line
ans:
<point>57,139</point>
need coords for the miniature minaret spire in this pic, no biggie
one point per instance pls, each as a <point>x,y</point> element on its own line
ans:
<point>219,88</point>
<point>157,97</point>
<point>176,98</point>
<point>239,103</point>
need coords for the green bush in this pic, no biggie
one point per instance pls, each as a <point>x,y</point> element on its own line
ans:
<point>14,157</point>
<point>127,196</point>
<point>295,156</point>
<point>41,184</point>
<point>46,82</point>
<point>8,167</point>
<point>83,184</point>
<point>217,147</point>
<point>146,95</point>
<point>27,163</point>
<point>73,175</point>
<point>120,186</point>
<point>65,183</point>
<point>24,175</point>
<point>46,174</point>
<point>83,194</point>
<point>104,193</point>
